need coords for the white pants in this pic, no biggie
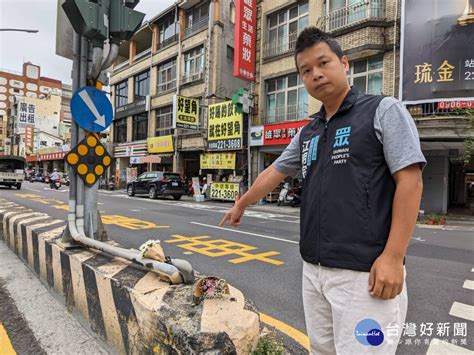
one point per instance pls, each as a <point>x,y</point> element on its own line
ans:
<point>336,300</point>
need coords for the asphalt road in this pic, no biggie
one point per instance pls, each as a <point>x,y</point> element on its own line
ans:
<point>262,259</point>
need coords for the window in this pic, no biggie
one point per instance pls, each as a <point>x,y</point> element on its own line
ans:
<point>120,130</point>
<point>121,93</point>
<point>367,75</point>
<point>197,14</point>
<point>168,31</point>
<point>142,85</point>
<point>193,64</point>
<point>232,12</point>
<point>167,76</point>
<point>230,53</point>
<point>140,127</point>
<point>283,29</point>
<point>287,99</point>
<point>164,121</point>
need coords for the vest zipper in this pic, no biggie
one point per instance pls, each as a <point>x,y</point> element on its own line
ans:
<point>367,196</point>
<point>324,138</point>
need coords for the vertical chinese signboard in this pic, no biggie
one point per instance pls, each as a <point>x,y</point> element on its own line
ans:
<point>224,131</point>
<point>245,31</point>
<point>26,114</point>
<point>29,136</point>
<point>437,56</point>
<point>185,112</point>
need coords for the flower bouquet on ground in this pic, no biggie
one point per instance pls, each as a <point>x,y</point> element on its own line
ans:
<point>210,287</point>
<point>152,250</point>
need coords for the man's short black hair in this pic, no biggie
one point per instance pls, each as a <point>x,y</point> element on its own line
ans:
<point>313,35</point>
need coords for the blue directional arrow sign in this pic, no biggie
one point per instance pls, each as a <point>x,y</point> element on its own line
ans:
<point>91,109</point>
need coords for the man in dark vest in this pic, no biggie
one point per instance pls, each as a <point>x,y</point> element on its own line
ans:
<point>361,162</point>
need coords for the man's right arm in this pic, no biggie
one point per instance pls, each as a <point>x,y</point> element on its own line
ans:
<point>265,183</point>
<point>288,163</point>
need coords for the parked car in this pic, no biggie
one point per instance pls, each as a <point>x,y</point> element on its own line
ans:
<point>157,183</point>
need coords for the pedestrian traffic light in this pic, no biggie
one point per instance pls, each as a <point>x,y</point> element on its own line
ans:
<point>88,17</point>
<point>89,159</point>
<point>124,21</point>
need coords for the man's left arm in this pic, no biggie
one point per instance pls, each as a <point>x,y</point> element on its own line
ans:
<point>396,130</point>
<point>387,273</point>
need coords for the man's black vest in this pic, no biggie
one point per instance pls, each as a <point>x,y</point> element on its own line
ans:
<point>348,189</point>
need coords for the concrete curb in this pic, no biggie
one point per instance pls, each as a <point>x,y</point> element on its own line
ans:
<point>128,306</point>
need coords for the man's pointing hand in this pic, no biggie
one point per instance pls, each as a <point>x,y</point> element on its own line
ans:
<point>233,216</point>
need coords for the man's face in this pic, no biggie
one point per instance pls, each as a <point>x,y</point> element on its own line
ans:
<point>323,73</point>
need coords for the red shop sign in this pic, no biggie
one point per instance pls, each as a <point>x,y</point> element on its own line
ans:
<point>244,43</point>
<point>282,133</point>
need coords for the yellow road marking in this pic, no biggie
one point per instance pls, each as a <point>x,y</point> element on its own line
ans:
<point>221,247</point>
<point>6,347</point>
<point>129,223</point>
<point>293,333</point>
<point>61,207</point>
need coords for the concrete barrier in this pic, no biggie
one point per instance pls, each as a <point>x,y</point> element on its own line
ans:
<point>126,305</point>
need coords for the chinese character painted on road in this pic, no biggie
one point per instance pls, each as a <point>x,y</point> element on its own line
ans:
<point>423,73</point>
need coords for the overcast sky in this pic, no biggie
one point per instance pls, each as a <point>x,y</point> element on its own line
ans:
<point>39,48</point>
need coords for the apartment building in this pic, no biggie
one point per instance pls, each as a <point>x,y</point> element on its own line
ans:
<point>369,33</point>
<point>186,50</point>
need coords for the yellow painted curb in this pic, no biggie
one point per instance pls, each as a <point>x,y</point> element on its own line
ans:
<point>6,347</point>
<point>293,333</point>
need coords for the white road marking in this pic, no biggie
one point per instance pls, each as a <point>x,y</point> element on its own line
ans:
<point>440,347</point>
<point>135,210</point>
<point>27,188</point>
<point>472,270</point>
<point>419,239</point>
<point>248,213</point>
<point>469,284</point>
<point>242,232</point>
<point>462,310</point>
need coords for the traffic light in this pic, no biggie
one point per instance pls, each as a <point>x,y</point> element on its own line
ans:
<point>89,159</point>
<point>88,17</point>
<point>124,21</point>
<point>100,19</point>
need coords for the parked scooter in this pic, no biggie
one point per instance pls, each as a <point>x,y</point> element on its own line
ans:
<point>289,197</point>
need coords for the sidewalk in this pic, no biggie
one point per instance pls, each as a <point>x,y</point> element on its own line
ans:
<point>35,314</point>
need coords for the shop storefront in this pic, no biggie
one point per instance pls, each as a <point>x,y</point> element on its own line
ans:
<point>161,151</point>
<point>47,160</point>
<point>126,157</point>
<point>268,142</point>
<point>223,162</point>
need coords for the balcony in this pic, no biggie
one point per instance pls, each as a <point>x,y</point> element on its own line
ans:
<point>193,76</point>
<point>286,113</point>
<point>196,26</point>
<point>348,16</point>
<point>169,41</point>
<point>282,46</point>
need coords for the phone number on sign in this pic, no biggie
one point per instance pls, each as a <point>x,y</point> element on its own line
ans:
<point>225,144</point>
<point>224,194</point>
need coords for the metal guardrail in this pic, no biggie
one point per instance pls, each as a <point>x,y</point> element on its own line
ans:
<point>350,15</point>
<point>169,41</point>
<point>440,109</point>
<point>196,26</point>
<point>143,54</point>
<point>284,45</point>
<point>286,113</point>
<point>189,77</point>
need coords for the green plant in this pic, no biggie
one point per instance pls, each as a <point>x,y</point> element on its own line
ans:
<point>269,345</point>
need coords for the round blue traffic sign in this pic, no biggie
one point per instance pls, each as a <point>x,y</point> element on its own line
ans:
<point>91,109</point>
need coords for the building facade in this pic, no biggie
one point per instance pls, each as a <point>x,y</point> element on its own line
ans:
<point>188,50</point>
<point>29,99</point>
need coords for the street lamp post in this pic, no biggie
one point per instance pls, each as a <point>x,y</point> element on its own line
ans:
<point>18,30</point>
